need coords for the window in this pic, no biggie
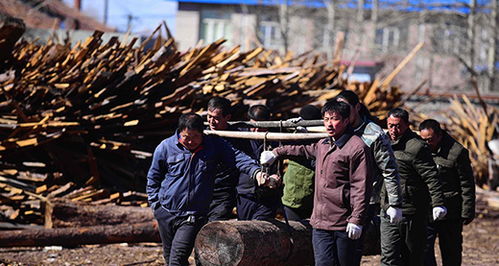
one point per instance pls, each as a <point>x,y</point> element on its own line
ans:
<point>388,37</point>
<point>449,39</point>
<point>270,34</point>
<point>215,25</point>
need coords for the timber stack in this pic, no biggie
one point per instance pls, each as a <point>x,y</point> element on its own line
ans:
<point>81,122</point>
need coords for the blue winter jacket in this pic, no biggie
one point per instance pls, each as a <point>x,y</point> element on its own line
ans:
<point>182,182</point>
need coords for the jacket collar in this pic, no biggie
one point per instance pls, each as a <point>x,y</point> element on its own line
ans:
<point>340,142</point>
<point>407,135</point>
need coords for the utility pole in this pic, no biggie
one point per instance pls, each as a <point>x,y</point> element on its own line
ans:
<point>106,11</point>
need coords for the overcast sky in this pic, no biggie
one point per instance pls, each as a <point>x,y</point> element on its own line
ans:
<point>146,15</point>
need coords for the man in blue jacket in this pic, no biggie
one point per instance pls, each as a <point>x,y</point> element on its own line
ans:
<point>180,183</point>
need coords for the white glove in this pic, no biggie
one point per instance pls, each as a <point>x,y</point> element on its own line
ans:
<point>439,212</point>
<point>395,214</point>
<point>354,231</point>
<point>267,158</point>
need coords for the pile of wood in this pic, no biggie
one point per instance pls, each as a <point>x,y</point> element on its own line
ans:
<point>473,126</point>
<point>92,114</point>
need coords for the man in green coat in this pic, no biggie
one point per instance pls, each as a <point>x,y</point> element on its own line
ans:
<point>458,184</point>
<point>403,243</point>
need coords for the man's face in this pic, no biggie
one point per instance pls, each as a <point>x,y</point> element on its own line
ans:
<point>190,139</point>
<point>217,120</point>
<point>335,124</point>
<point>396,127</point>
<point>353,109</point>
<point>431,137</point>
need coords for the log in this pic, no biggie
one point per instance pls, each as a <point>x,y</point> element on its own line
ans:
<point>254,243</point>
<point>263,243</point>
<point>71,214</point>
<point>102,234</point>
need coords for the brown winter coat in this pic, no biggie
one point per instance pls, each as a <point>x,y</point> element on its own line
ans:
<point>343,176</point>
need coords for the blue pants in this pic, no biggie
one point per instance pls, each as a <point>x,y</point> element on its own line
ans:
<point>177,235</point>
<point>333,248</point>
<point>249,207</point>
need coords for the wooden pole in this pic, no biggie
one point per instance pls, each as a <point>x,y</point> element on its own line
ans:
<point>272,136</point>
<point>276,124</point>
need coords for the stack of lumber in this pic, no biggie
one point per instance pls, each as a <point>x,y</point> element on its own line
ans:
<point>473,126</point>
<point>83,121</point>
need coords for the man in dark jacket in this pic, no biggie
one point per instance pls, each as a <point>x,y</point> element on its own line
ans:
<point>342,186</point>
<point>180,183</point>
<point>226,178</point>
<point>255,202</point>
<point>458,184</point>
<point>403,243</point>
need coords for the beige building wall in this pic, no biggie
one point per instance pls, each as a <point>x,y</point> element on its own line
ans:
<point>187,31</point>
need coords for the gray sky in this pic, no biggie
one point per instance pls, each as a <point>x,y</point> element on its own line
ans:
<point>146,14</point>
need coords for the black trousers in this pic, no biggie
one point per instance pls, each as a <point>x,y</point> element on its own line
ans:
<point>333,248</point>
<point>178,234</point>
<point>403,243</point>
<point>450,239</point>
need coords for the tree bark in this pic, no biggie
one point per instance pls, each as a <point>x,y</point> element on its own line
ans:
<point>70,214</point>
<point>102,234</point>
<point>262,243</point>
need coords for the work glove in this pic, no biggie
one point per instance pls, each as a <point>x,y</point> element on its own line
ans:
<point>395,214</point>
<point>267,158</point>
<point>354,231</point>
<point>439,212</point>
<point>299,129</point>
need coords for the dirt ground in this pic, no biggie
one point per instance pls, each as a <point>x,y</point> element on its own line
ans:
<point>480,247</point>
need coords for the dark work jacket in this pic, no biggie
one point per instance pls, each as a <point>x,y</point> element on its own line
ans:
<point>419,180</point>
<point>226,179</point>
<point>456,175</point>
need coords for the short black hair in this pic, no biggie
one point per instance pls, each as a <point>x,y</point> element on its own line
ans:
<point>310,112</point>
<point>341,108</point>
<point>351,97</point>
<point>220,103</point>
<point>431,124</point>
<point>400,113</point>
<point>191,121</point>
<point>259,112</point>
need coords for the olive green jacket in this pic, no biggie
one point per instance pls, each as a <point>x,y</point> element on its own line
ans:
<point>456,175</point>
<point>298,186</point>
<point>419,180</point>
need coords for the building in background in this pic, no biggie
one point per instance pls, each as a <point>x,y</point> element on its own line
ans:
<point>374,31</point>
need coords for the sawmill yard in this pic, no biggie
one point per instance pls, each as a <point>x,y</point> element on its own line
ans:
<point>78,126</point>
<point>480,247</point>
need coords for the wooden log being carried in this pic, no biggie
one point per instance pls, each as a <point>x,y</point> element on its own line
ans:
<point>101,234</point>
<point>263,243</point>
<point>254,243</point>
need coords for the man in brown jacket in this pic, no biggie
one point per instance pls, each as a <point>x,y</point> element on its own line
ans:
<point>342,187</point>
